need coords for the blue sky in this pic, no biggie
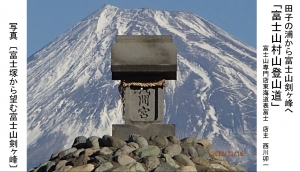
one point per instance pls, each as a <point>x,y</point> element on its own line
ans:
<point>48,19</point>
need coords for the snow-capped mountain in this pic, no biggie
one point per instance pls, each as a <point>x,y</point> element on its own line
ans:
<point>70,91</point>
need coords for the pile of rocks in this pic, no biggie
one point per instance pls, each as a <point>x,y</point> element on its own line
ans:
<point>158,154</point>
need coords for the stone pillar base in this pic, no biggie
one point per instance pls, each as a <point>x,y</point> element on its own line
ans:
<point>123,131</point>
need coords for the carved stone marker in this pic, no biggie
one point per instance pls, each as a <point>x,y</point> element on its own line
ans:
<point>142,63</point>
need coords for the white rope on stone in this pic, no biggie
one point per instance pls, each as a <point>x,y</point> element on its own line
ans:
<point>161,83</point>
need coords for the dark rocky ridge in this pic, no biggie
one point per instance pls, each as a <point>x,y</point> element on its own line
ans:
<point>159,153</point>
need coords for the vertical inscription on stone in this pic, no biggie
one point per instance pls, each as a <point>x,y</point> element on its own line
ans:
<point>143,103</point>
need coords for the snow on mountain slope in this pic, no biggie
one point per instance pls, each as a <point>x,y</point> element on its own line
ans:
<point>70,91</point>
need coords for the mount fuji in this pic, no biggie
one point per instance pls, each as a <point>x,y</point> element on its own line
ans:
<point>70,91</point>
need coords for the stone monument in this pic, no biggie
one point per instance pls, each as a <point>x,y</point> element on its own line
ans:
<point>143,63</point>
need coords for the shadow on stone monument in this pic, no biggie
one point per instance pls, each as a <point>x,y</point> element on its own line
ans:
<point>143,63</point>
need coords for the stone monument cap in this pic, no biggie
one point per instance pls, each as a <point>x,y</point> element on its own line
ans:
<point>141,56</point>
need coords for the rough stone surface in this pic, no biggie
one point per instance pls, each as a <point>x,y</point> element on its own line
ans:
<point>151,162</point>
<point>93,142</point>
<point>184,160</point>
<point>122,131</point>
<point>152,137</point>
<point>60,164</point>
<point>205,143</point>
<point>161,141</point>
<point>78,152</point>
<point>141,141</point>
<point>173,150</point>
<point>111,141</point>
<point>54,155</point>
<point>122,168</point>
<point>188,140</point>
<point>63,168</point>
<point>201,162</point>
<point>136,167</point>
<point>215,156</point>
<point>125,159</point>
<point>105,151</point>
<point>164,167</point>
<point>187,169</point>
<point>124,150</point>
<point>90,151</point>
<point>99,159</point>
<point>133,137</point>
<point>42,166</point>
<point>173,140</point>
<point>219,167</point>
<point>133,144</point>
<point>117,155</point>
<point>104,166</point>
<point>62,154</point>
<point>107,157</point>
<point>190,151</point>
<point>210,170</point>
<point>86,167</point>
<point>50,166</point>
<point>202,152</point>
<point>225,164</point>
<point>203,168</point>
<point>239,168</point>
<point>147,151</point>
<point>80,142</point>
<point>170,161</point>
<point>81,160</point>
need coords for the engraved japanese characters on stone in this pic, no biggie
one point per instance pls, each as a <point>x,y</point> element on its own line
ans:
<point>141,104</point>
